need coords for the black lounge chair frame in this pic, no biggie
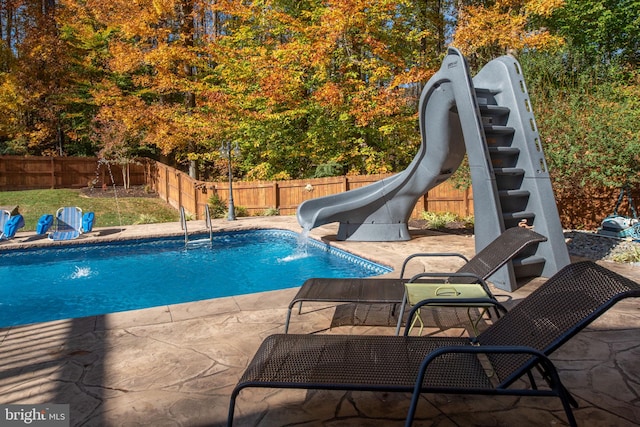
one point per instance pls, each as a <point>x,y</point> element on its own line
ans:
<point>391,290</point>
<point>514,345</point>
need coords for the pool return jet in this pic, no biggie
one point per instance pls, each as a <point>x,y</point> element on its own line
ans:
<point>490,119</point>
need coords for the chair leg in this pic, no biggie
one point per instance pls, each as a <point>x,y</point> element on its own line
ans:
<point>232,407</point>
<point>403,304</point>
<point>417,318</point>
<point>549,382</point>
<point>474,323</point>
<point>566,404</point>
<point>532,380</point>
<point>288,319</point>
<point>497,312</point>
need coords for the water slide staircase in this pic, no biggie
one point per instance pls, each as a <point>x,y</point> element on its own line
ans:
<point>490,119</point>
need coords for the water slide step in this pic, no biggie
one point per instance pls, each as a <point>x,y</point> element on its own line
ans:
<point>528,267</point>
<point>504,157</point>
<point>512,219</point>
<point>514,200</point>
<point>499,136</point>
<point>494,115</point>
<point>514,193</point>
<point>499,130</point>
<point>495,110</point>
<point>509,171</point>
<point>486,96</point>
<point>509,178</point>
<point>504,150</point>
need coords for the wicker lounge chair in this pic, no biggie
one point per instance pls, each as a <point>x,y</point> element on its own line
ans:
<point>392,291</point>
<point>517,345</point>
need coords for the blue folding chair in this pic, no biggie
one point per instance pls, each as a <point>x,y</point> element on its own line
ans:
<point>9,224</point>
<point>68,223</point>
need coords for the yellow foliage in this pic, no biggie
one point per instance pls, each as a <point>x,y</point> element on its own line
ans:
<point>543,7</point>
<point>163,7</point>
<point>329,95</point>
<point>125,58</point>
<point>504,26</point>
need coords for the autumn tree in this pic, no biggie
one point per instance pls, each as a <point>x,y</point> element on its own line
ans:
<point>487,29</point>
<point>324,83</point>
<point>43,92</point>
<point>587,95</point>
<point>305,87</point>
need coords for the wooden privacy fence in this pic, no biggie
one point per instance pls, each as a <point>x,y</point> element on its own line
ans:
<point>578,208</point>
<point>31,173</point>
<point>178,189</point>
<point>583,209</point>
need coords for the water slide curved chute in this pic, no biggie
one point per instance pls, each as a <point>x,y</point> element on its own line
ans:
<point>381,211</point>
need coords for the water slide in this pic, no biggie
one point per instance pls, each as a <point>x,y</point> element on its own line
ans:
<point>490,119</point>
<point>380,211</point>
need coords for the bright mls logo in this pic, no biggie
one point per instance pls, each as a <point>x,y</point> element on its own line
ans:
<point>52,415</point>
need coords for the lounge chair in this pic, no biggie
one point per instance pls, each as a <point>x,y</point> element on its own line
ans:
<point>9,224</point>
<point>68,223</point>
<point>392,291</point>
<point>516,346</point>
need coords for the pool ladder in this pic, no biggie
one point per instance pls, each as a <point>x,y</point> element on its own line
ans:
<point>207,221</point>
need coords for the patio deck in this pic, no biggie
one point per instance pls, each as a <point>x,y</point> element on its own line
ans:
<point>176,365</point>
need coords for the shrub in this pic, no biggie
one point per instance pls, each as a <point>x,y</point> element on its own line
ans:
<point>271,212</point>
<point>218,206</point>
<point>442,220</point>
<point>240,211</point>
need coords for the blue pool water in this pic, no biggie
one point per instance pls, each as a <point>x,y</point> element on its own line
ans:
<point>83,280</point>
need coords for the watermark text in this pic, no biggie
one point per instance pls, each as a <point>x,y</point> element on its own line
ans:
<point>48,415</point>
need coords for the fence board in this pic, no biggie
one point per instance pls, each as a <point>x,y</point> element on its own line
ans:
<point>30,173</point>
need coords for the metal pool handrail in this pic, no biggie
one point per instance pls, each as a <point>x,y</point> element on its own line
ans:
<point>183,224</point>
<point>207,220</point>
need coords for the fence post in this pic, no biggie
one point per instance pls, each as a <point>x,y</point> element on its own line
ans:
<point>179,176</point>
<point>195,199</point>
<point>276,196</point>
<point>53,172</point>
<point>166,184</point>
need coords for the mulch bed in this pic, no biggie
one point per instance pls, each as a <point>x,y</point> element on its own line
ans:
<point>451,228</point>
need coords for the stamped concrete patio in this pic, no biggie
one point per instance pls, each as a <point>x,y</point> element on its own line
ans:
<point>176,365</point>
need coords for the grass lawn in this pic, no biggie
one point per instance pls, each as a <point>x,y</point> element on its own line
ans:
<point>127,211</point>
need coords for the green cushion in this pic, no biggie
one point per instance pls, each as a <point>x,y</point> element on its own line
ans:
<point>417,292</point>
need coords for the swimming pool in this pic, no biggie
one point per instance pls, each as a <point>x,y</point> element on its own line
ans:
<point>73,281</point>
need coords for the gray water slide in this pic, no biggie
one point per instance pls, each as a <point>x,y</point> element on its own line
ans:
<point>380,211</point>
<point>490,119</point>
